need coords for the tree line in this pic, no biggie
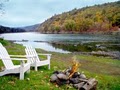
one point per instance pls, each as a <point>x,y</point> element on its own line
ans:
<point>4,29</point>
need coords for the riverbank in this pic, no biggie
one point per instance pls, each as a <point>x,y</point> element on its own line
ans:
<point>104,69</point>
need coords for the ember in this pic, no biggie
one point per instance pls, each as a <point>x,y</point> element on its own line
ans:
<point>71,76</point>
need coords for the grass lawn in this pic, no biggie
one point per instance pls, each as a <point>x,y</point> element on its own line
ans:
<point>104,69</point>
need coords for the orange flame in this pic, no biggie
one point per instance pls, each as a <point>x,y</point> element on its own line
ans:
<point>75,66</point>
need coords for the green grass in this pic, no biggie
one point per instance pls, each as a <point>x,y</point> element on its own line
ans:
<point>104,69</point>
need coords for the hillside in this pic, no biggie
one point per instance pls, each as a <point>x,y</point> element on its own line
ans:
<point>31,28</point>
<point>98,18</point>
<point>4,29</point>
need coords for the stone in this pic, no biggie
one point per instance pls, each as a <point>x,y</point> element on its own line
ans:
<point>62,82</point>
<point>77,80</point>
<point>56,72</point>
<point>82,76</point>
<point>67,72</point>
<point>75,75</point>
<point>62,76</point>
<point>74,80</point>
<point>53,78</point>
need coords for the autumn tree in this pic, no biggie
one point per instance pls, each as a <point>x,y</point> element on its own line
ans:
<point>69,25</point>
<point>116,20</point>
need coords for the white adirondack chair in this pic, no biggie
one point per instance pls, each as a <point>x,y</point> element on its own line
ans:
<point>35,60</point>
<point>10,68</point>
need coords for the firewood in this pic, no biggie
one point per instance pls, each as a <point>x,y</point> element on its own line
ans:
<point>90,85</point>
<point>79,85</point>
<point>71,76</point>
<point>83,80</point>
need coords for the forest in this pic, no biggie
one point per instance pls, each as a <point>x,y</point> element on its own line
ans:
<point>97,18</point>
<point>4,29</point>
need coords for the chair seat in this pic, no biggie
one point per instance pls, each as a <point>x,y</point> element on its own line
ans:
<point>41,63</point>
<point>18,66</point>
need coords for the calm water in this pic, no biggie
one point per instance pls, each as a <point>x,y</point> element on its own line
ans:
<point>64,42</point>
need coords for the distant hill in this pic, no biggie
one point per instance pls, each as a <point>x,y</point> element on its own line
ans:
<point>4,29</point>
<point>97,18</point>
<point>31,28</point>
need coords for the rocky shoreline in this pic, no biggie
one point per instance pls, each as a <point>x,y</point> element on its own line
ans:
<point>117,32</point>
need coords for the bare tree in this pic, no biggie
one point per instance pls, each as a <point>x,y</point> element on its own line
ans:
<point>2,5</point>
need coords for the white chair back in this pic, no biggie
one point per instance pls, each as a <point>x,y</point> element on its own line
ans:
<point>5,57</point>
<point>30,51</point>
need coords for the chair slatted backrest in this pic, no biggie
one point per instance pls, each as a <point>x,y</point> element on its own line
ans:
<point>30,51</point>
<point>5,57</point>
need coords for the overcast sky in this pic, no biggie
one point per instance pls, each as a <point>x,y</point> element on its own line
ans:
<point>28,12</point>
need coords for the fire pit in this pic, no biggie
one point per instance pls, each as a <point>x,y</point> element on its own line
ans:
<point>76,79</point>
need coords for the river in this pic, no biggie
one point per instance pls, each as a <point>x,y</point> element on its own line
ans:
<point>65,43</point>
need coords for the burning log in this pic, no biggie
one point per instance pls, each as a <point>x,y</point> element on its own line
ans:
<point>71,76</point>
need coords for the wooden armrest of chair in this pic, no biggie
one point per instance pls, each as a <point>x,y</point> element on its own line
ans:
<point>45,54</point>
<point>19,59</point>
<point>22,56</point>
<point>48,55</point>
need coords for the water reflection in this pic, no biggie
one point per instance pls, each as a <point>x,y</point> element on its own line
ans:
<point>88,47</point>
<point>44,46</point>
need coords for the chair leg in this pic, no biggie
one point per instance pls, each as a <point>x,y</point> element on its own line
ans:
<point>48,66</point>
<point>22,72</point>
<point>21,75</point>
<point>35,68</point>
